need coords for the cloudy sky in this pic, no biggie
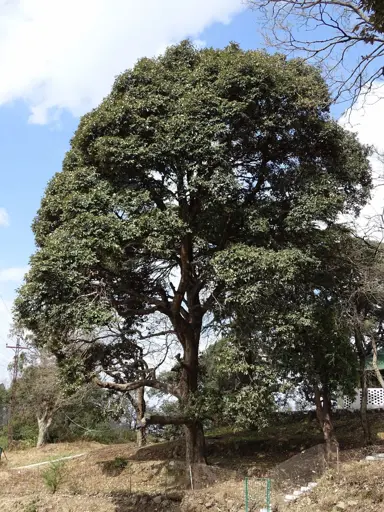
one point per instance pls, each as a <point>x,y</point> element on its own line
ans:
<point>58,59</point>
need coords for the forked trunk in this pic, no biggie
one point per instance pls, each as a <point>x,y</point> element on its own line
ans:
<point>187,318</point>
<point>44,422</point>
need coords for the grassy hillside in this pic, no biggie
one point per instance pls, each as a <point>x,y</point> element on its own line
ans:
<point>120,478</point>
<point>359,487</point>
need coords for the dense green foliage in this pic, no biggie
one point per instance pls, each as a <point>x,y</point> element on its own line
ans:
<point>375,11</point>
<point>240,134</point>
<point>238,385</point>
<point>203,173</point>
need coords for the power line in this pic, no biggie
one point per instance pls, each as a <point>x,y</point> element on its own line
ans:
<point>6,307</point>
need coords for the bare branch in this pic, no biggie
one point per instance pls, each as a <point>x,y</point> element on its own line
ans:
<point>329,33</point>
<point>131,386</point>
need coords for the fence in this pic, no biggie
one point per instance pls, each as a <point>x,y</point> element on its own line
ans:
<point>257,494</point>
<point>375,400</point>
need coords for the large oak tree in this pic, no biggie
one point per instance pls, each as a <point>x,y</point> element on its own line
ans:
<point>194,155</point>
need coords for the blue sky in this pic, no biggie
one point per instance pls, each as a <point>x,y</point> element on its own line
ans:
<point>58,60</point>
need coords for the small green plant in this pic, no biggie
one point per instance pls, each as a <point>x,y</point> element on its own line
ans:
<point>114,467</point>
<point>119,463</point>
<point>54,475</point>
<point>31,506</point>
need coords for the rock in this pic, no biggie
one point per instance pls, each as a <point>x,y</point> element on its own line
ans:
<point>341,506</point>
<point>209,504</point>
<point>352,503</point>
<point>157,500</point>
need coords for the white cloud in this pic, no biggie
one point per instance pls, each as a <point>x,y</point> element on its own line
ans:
<point>4,217</point>
<point>65,54</point>
<point>366,119</point>
<point>12,274</point>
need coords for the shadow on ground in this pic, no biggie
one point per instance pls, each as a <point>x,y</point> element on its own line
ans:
<point>126,502</point>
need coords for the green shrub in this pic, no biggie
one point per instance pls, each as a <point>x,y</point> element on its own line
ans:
<point>54,475</point>
<point>120,462</point>
<point>31,506</point>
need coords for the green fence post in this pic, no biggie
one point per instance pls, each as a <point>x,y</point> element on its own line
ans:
<point>269,495</point>
<point>246,493</point>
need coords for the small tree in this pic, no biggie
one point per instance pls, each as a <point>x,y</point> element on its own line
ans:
<point>297,320</point>
<point>39,395</point>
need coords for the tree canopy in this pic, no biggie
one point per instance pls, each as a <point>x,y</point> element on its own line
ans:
<point>197,161</point>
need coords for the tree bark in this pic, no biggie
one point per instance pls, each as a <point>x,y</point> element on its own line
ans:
<point>361,352</point>
<point>374,362</point>
<point>44,422</point>
<point>323,412</point>
<point>363,408</point>
<point>140,412</point>
<point>194,433</point>
<point>195,443</point>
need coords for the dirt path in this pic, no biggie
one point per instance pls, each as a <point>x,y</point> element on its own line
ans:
<point>49,461</point>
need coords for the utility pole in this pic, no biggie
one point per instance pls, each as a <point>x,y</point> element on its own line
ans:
<point>15,373</point>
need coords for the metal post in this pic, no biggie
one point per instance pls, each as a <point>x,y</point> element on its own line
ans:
<point>268,495</point>
<point>246,493</point>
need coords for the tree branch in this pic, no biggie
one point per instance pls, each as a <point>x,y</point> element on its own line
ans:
<point>156,419</point>
<point>131,386</point>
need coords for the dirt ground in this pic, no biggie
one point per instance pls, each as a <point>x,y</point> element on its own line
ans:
<point>359,487</point>
<point>120,478</point>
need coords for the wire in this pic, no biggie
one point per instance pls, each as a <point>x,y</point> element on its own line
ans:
<point>6,307</point>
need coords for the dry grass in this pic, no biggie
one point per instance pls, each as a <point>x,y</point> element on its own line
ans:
<point>106,479</point>
<point>359,487</point>
<point>118,478</point>
<point>49,452</point>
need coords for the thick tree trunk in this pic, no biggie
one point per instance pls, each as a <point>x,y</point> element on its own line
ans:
<point>140,437</point>
<point>194,434</point>
<point>361,352</point>
<point>140,412</point>
<point>44,422</point>
<point>323,412</point>
<point>363,407</point>
<point>195,444</point>
<point>137,399</point>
